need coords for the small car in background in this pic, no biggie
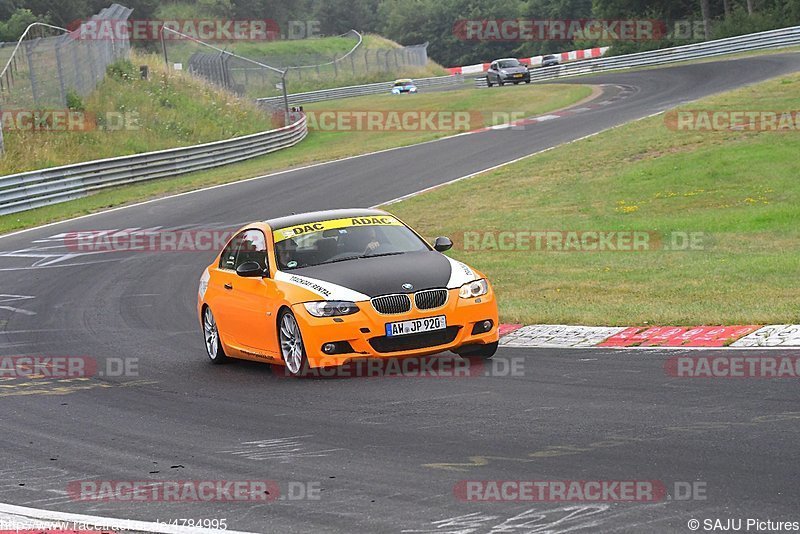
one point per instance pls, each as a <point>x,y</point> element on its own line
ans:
<point>404,85</point>
<point>508,70</point>
<point>549,61</point>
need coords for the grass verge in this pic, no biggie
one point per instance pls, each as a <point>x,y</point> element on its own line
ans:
<point>134,116</point>
<point>320,146</point>
<point>737,189</point>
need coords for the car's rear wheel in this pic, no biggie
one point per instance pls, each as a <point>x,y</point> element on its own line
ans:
<point>293,351</point>
<point>484,352</point>
<point>211,335</point>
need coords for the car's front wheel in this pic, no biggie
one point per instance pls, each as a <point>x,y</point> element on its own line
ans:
<point>293,351</point>
<point>211,335</point>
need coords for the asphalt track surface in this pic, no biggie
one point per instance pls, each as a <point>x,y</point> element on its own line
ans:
<point>385,451</point>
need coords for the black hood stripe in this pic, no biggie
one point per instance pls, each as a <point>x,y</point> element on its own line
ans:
<point>383,275</point>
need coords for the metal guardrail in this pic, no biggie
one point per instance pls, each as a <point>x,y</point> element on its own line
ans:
<point>28,190</point>
<point>743,43</point>
<point>358,90</point>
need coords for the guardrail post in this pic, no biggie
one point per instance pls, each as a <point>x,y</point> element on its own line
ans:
<point>92,67</point>
<point>76,68</point>
<point>60,72</point>
<point>32,72</point>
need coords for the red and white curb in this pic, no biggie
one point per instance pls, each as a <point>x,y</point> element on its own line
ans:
<point>563,57</point>
<point>737,337</point>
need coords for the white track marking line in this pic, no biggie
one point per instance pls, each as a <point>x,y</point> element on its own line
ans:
<point>17,310</point>
<point>108,522</point>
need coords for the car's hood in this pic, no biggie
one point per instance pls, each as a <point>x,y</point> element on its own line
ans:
<point>515,70</point>
<point>381,275</point>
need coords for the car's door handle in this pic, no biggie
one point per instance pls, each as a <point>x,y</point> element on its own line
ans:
<point>228,286</point>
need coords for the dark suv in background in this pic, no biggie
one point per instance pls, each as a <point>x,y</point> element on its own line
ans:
<point>549,61</point>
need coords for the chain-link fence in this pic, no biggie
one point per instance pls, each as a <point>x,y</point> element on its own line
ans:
<point>262,75</point>
<point>42,70</point>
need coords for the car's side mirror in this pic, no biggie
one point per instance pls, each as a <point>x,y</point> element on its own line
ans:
<point>442,243</point>
<point>251,269</point>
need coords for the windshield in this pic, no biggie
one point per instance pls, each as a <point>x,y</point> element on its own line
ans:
<point>343,240</point>
<point>508,63</point>
<point>402,83</point>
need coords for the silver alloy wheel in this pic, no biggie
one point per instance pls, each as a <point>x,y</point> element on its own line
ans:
<point>291,343</point>
<point>211,334</point>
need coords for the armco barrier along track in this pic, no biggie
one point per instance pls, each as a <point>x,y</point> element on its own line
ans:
<point>744,43</point>
<point>28,190</point>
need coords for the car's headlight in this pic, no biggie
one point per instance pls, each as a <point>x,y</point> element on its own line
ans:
<point>330,308</point>
<point>474,289</point>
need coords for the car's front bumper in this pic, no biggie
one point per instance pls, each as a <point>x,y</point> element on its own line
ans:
<point>365,330</point>
<point>514,78</point>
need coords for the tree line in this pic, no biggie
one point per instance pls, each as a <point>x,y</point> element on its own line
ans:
<point>435,21</point>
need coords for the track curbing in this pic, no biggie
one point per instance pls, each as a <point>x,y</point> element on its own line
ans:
<point>781,336</point>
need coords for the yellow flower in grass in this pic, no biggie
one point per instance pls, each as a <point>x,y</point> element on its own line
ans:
<point>627,209</point>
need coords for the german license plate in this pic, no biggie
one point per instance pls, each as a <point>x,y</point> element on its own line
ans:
<point>416,326</point>
<point>518,76</point>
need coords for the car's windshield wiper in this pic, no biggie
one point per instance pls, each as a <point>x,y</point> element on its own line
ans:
<point>337,260</point>
<point>368,255</point>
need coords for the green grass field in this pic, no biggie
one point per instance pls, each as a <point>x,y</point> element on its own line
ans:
<point>165,111</point>
<point>739,189</point>
<point>322,145</point>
